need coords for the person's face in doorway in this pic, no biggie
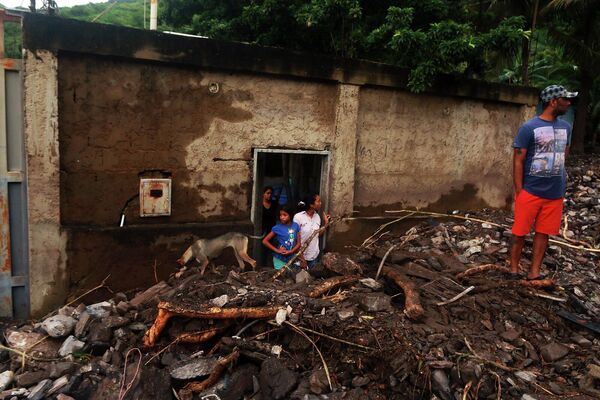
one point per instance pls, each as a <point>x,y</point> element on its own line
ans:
<point>267,195</point>
<point>317,204</point>
<point>284,217</point>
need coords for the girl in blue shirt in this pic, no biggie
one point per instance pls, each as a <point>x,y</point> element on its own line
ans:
<point>287,238</point>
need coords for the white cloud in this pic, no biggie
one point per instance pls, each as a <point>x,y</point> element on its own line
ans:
<point>61,3</point>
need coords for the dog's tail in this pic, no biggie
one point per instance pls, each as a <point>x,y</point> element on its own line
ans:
<point>257,237</point>
<point>185,257</point>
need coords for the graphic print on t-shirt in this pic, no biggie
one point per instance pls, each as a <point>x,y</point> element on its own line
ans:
<point>549,156</point>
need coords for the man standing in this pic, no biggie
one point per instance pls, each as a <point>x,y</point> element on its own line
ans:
<point>539,176</point>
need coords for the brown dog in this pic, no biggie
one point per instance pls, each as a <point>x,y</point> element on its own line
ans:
<point>204,250</point>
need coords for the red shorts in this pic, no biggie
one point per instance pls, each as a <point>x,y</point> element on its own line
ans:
<point>545,213</point>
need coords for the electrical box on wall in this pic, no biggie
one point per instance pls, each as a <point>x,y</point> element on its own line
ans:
<point>155,197</point>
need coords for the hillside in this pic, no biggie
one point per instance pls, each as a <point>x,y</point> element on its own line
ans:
<point>120,12</point>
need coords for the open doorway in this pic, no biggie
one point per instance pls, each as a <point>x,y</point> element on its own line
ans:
<point>292,174</point>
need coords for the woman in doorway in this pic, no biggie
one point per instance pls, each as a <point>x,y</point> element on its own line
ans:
<point>287,235</point>
<point>269,210</point>
<point>309,222</point>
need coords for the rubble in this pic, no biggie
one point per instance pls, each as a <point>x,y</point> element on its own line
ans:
<point>421,315</point>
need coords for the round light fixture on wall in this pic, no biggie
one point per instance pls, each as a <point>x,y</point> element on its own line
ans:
<point>213,88</point>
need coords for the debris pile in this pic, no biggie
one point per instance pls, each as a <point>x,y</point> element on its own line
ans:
<point>427,314</point>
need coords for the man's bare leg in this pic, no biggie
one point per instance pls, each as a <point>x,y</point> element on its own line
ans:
<point>515,253</point>
<point>540,242</point>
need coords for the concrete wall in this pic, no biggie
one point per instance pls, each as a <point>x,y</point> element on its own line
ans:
<point>433,152</point>
<point>100,111</point>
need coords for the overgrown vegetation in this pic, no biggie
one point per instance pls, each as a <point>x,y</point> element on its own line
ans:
<point>533,42</point>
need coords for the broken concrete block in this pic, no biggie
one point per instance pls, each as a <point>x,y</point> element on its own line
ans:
<point>58,369</point>
<point>58,325</point>
<point>553,351</point>
<point>344,315</point>
<point>28,379</point>
<point>303,277</point>
<point>192,369</point>
<point>115,321</point>
<point>373,302</point>
<point>99,310</point>
<point>62,396</point>
<point>220,301</point>
<point>527,376</point>
<point>6,378</point>
<point>22,340</point>
<point>82,325</point>
<point>441,384</point>
<point>70,345</point>
<point>58,385</point>
<point>39,391</point>
<point>99,332</point>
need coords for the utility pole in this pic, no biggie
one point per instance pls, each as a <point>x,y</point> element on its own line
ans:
<point>153,14</point>
<point>32,6</point>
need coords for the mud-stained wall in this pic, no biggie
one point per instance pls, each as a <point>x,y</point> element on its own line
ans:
<point>118,119</point>
<point>438,153</point>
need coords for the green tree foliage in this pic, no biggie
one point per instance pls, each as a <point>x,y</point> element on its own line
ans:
<point>427,36</point>
<point>120,12</point>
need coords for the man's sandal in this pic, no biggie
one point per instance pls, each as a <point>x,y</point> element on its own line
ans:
<point>540,277</point>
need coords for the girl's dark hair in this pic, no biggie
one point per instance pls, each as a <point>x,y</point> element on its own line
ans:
<point>267,188</point>
<point>288,209</point>
<point>307,201</point>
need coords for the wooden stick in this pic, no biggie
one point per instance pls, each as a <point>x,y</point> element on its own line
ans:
<point>482,268</point>
<point>222,364</point>
<point>409,236</point>
<point>360,346</point>
<point>494,363</point>
<point>458,296</point>
<point>201,336</point>
<point>167,310</point>
<point>332,283</point>
<point>412,303</point>
<point>381,227</point>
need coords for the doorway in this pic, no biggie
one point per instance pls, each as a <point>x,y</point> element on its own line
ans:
<point>293,174</point>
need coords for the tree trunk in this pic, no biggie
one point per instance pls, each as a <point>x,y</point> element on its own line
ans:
<point>581,115</point>
<point>525,62</point>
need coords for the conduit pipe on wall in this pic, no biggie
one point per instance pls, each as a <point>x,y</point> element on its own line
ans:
<point>153,14</point>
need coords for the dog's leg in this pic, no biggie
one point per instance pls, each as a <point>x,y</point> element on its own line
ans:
<point>249,260</point>
<point>203,266</point>
<point>239,259</point>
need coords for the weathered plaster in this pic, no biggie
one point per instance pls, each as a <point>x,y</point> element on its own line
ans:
<point>47,243</point>
<point>415,150</point>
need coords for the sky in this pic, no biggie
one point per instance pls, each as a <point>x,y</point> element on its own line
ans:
<point>61,3</point>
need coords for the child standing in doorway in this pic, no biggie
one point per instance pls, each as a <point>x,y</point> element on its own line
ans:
<point>310,222</point>
<point>287,236</point>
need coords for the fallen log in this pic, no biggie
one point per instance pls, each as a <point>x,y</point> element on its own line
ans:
<point>482,268</point>
<point>200,337</point>
<point>332,283</point>
<point>222,364</point>
<point>412,303</point>
<point>168,310</point>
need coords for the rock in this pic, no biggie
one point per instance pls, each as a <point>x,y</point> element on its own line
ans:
<point>510,335</point>
<point>527,397</point>
<point>123,307</point>
<point>589,383</point>
<point>82,325</point>
<point>30,378</point>
<point>99,310</point>
<point>276,381</point>
<point>581,341</point>
<point>22,340</point>
<point>58,369</point>
<point>220,301</point>
<point>527,376</point>
<point>371,283</point>
<point>373,302</point>
<point>240,383</point>
<point>58,325</point>
<point>58,385</point>
<point>303,277</point>
<point>39,391</point>
<point>281,316</point>
<point>99,333</point>
<point>360,381</point>
<point>115,321</point>
<point>191,369</point>
<point>553,351</point>
<point>8,394</point>
<point>64,397</point>
<point>340,264</point>
<point>151,294</point>
<point>344,315</point>
<point>441,384</point>
<point>318,382</point>
<point>6,378</point>
<point>472,250</point>
<point>70,346</point>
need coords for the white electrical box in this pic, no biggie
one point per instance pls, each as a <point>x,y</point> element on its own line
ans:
<point>155,197</point>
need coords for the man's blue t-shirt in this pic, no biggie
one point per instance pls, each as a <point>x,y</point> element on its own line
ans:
<point>285,236</point>
<point>544,170</point>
